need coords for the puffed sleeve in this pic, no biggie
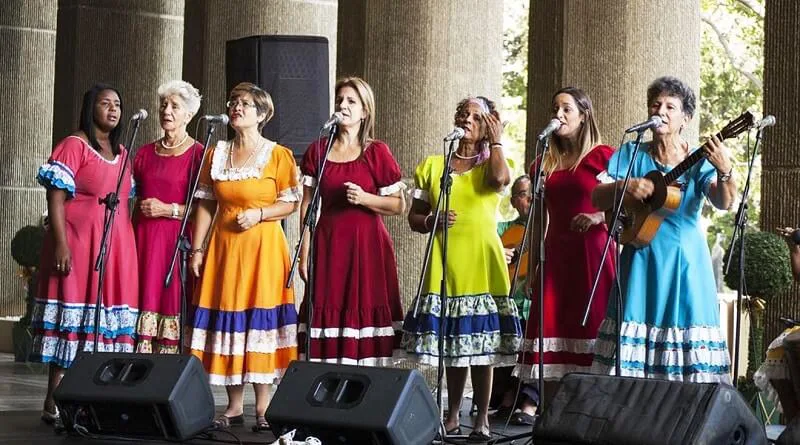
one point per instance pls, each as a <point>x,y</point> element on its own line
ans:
<point>597,162</point>
<point>205,185</point>
<point>286,176</point>
<point>310,163</point>
<point>422,180</point>
<point>385,169</point>
<point>58,173</point>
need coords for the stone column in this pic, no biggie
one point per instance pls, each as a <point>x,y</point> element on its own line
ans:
<point>780,160</point>
<point>612,49</point>
<point>134,46</point>
<point>211,23</point>
<point>420,58</point>
<point>28,42</point>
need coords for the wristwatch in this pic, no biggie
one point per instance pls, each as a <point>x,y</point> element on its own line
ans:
<point>724,177</point>
<point>176,210</point>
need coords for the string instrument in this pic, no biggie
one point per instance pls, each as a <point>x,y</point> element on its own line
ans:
<point>512,238</point>
<point>641,220</point>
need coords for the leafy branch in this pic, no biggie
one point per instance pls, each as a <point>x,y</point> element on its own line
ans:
<point>723,40</point>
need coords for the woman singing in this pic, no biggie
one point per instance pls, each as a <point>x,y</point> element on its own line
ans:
<point>82,169</point>
<point>670,326</point>
<point>356,313</point>
<point>245,323</point>
<point>574,240</point>
<point>483,328</point>
<point>163,171</point>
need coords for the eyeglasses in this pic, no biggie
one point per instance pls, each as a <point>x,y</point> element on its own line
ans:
<point>233,103</point>
<point>521,194</point>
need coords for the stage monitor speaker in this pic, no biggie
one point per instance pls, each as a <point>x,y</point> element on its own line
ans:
<point>596,409</point>
<point>294,71</point>
<point>342,404</point>
<point>141,395</point>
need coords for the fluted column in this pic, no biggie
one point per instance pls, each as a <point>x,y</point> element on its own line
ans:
<point>133,45</point>
<point>211,23</point>
<point>780,160</point>
<point>28,42</point>
<point>612,49</point>
<point>420,58</point>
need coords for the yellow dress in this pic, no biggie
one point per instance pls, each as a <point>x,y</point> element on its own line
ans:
<point>483,326</point>
<point>245,322</point>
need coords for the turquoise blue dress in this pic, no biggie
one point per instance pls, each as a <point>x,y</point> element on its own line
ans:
<point>670,327</point>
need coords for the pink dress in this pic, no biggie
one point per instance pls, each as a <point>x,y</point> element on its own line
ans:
<point>166,178</point>
<point>357,317</point>
<point>63,315</point>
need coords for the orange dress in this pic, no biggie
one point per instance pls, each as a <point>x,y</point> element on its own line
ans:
<point>245,322</point>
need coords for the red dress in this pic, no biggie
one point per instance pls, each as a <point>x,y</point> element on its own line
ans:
<point>357,317</point>
<point>165,178</point>
<point>571,262</point>
<point>63,315</point>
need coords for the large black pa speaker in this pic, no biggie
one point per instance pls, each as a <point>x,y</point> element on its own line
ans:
<point>294,71</point>
<point>342,404</point>
<point>142,395</point>
<point>595,409</point>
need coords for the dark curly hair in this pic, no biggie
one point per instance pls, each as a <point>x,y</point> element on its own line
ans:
<point>673,87</point>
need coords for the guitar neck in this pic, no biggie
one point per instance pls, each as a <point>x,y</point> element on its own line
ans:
<point>687,163</point>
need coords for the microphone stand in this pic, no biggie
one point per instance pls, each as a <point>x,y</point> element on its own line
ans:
<point>739,227</point>
<point>614,229</point>
<point>446,183</point>
<point>111,202</point>
<point>310,221</point>
<point>182,244</point>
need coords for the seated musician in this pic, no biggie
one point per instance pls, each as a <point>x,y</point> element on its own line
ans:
<point>773,377</point>
<point>670,326</point>
<point>507,393</point>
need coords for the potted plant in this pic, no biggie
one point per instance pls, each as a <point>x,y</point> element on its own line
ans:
<point>26,248</point>
<point>767,273</point>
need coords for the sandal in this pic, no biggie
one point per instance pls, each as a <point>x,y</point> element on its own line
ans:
<point>224,422</point>
<point>48,417</point>
<point>453,432</point>
<point>261,425</point>
<point>479,437</point>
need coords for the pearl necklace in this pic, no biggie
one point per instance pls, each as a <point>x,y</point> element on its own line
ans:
<point>466,157</point>
<point>170,147</point>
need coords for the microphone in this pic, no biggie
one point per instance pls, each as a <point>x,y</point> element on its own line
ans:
<point>653,122</point>
<point>768,121</point>
<point>336,119</point>
<point>139,115</point>
<point>217,118</point>
<point>554,125</point>
<point>455,135</point>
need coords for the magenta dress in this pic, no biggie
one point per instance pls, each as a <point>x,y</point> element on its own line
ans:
<point>357,317</point>
<point>166,178</point>
<point>63,316</point>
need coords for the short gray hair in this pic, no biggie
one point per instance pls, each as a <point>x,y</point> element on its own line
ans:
<point>186,91</point>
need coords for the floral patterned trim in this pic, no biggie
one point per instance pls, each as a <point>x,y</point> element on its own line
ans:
<point>54,315</point>
<point>220,158</point>
<point>62,351</point>
<point>205,191</point>
<point>552,344</point>
<point>240,343</point>
<point>420,194</point>
<point>392,189</point>
<point>57,175</point>
<point>309,181</point>
<point>292,194</point>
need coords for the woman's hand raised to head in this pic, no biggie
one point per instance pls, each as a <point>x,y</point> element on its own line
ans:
<point>494,127</point>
